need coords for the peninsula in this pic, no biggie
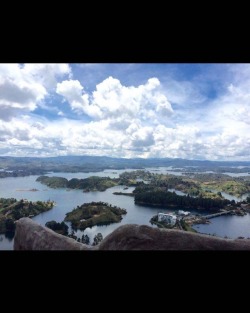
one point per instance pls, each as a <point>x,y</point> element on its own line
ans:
<point>12,210</point>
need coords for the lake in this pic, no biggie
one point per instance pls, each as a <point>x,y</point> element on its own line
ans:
<point>66,201</point>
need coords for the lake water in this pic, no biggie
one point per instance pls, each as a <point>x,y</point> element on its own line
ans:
<point>230,226</point>
<point>66,201</point>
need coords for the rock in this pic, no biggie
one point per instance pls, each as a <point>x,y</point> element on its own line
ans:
<point>31,236</point>
<point>142,237</point>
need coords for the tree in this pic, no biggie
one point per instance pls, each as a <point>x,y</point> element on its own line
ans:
<point>60,228</point>
<point>97,239</point>
<point>85,239</point>
<point>10,225</point>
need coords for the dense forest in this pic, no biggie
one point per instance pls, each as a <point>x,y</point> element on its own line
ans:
<point>166,198</point>
<point>12,210</point>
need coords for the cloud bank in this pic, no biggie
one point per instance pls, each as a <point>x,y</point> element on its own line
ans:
<point>50,110</point>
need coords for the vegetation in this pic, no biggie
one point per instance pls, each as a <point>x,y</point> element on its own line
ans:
<point>12,210</point>
<point>160,197</point>
<point>132,178</point>
<point>94,213</point>
<point>60,228</point>
<point>53,182</point>
<point>204,185</point>
<point>85,239</point>
<point>154,220</point>
<point>186,226</point>
<point>97,239</point>
<point>93,183</point>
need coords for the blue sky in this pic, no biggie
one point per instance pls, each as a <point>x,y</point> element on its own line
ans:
<point>193,111</point>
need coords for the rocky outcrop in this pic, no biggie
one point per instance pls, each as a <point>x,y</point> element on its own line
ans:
<point>31,236</point>
<point>142,237</point>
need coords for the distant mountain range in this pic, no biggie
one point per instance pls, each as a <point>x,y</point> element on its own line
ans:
<point>97,163</point>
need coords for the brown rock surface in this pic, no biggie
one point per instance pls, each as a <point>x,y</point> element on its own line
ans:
<point>142,237</point>
<point>31,236</point>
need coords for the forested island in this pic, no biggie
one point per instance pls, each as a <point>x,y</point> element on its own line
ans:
<point>12,210</point>
<point>93,183</point>
<point>159,197</point>
<point>206,185</point>
<point>94,213</point>
<point>201,191</point>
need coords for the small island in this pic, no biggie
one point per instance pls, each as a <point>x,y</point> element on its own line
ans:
<point>32,189</point>
<point>94,213</point>
<point>131,194</point>
<point>93,183</point>
<point>12,210</point>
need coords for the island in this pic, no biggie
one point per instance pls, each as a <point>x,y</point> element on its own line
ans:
<point>93,183</point>
<point>32,189</point>
<point>96,183</point>
<point>12,210</point>
<point>161,197</point>
<point>94,213</point>
<point>123,193</point>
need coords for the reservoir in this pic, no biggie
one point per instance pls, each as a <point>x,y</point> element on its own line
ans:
<point>67,200</point>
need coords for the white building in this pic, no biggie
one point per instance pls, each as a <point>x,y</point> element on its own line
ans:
<point>168,218</point>
<point>184,213</point>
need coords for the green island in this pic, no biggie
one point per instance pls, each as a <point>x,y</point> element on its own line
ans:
<point>93,183</point>
<point>200,190</point>
<point>94,213</point>
<point>12,210</point>
<point>160,197</point>
<point>123,193</point>
<point>96,183</point>
<point>208,185</point>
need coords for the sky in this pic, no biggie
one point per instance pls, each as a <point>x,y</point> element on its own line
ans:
<point>152,110</point>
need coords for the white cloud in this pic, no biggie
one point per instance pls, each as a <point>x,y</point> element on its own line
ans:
<point>22,88</point>
<point>112,100</point>
<point>122,120</point>
<point>46,74</point>
<point>74,93</point>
